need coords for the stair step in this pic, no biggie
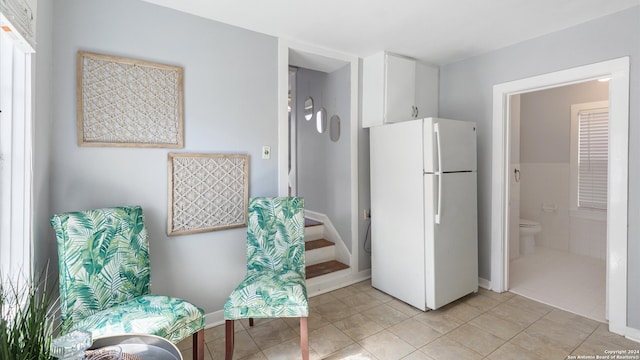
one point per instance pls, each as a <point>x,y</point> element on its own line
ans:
<point>317,244</point>
<point>325,268</point>
<point>313,229</point>
<point>310,222</point>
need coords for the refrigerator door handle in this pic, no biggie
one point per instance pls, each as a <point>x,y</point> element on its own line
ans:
<point>436,130</point>
<point>439,207</point>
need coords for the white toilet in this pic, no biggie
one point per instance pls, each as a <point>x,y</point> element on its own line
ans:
<point>528,231</point>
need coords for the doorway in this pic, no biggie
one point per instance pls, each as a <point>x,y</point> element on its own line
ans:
<point>557,203</point>
<point>312,61</point>
<point>617,71</point>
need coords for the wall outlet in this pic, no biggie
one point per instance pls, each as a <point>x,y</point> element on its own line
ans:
<point>266,152</point>
<point>367,214</point>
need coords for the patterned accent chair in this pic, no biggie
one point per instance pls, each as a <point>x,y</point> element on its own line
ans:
<point>105,277</point>
<point>274,285</point>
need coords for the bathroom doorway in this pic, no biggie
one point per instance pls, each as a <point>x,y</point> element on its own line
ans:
<point>557,231</point>
<point>617,199</point>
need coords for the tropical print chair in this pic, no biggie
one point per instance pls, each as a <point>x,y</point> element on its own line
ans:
<point>105,277</point>
<point>274,285</point>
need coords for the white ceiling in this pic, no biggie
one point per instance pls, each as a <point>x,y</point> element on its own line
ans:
<point>436,31</point>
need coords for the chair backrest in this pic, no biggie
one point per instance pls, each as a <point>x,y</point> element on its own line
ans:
<point>103,257</point>
<point>275,234</point>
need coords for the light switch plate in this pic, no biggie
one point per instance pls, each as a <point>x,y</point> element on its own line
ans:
<point>266,152</point>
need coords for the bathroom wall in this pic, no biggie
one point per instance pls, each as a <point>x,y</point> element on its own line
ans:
<point>545,131</point>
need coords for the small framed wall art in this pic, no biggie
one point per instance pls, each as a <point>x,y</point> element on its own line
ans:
<point>207,192</point>
<point>126,102</point>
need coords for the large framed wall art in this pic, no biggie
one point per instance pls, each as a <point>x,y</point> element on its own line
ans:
<point>126,102</point>
<point>207,192</point>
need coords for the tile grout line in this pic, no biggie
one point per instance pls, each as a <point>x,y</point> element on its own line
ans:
<point>585,339</point>
<point>518,333</point>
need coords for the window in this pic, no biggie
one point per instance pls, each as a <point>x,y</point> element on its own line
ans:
<point>589,156</point>
<point>15,153</point>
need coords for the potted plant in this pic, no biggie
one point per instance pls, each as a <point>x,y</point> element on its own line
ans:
<point>27,317</point>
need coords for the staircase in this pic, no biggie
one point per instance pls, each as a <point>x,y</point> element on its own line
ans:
<point>320,255</point>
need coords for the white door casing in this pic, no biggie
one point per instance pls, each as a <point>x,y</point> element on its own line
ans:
<point>617,71</point>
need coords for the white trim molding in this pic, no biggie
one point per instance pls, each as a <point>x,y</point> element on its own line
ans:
<point>16,161</point>
<point>617,215</point>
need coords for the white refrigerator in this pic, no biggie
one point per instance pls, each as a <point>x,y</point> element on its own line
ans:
<point>424,243</point>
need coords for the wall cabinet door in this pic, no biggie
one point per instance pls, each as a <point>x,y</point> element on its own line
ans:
<point>426,90</point>
<point>400,88</point>
<point>397,88</point>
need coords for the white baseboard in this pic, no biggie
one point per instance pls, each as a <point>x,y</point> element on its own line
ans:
<point>330,282</point>
<point>484,283</point>
<point>213,319</point>
<point>632,334</point>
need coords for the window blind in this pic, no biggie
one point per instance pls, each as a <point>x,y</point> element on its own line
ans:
<point>593,144</point>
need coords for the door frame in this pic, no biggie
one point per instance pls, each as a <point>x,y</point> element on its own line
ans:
<point>319,59</point>
<point>617,70</point>
<point>292,162</point>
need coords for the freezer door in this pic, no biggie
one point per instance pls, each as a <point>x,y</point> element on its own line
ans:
<point>450,144</point>
<point>451,249</point>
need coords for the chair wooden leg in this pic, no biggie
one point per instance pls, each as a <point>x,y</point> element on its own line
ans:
<point>304,338</point>
<point>198,345</point>
<point>229,339</point>
<point>250,321</point>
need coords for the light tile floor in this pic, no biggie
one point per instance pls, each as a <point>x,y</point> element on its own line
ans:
<point>360,322</point>
<point>567,281</point>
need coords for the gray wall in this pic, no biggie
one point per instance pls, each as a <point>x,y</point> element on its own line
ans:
<point>364,186</point>
<point>324,166</point>
<point>44,245</point>
<point>545,127</point>
<point>230,93</point>
<point>466,93</point>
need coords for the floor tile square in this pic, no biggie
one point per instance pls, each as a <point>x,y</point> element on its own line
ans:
<point>334,310</point>
<point>440,321</point>
<point>288,350</point>
<point>481,302</point>
<point>385,315</point>
<point>387,346</point>
<point>461,310</point>
<point>510,351</point>
<point>328,340</point>
<point>358,326</point>
<point>475,339</point>
<point>415,332</point>
<point>271,333</point>
<point>351,352</point>
<point>447,349</point>
<point>497,326</point>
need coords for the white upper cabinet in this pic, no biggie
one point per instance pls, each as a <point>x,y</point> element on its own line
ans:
<point>396,88</point>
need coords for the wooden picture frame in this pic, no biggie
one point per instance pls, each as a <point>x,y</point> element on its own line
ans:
<point>207,192</point>
<point>125,102</point>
